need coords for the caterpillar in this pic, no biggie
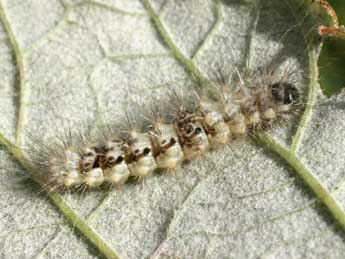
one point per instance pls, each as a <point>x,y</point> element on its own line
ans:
<point>174,131</point>
<point>171,132</point>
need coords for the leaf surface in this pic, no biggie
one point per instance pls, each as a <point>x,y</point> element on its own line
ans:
<point>74,61</point>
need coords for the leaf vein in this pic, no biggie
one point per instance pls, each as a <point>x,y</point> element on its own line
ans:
<point>21,74</point>
<point>209,36</point>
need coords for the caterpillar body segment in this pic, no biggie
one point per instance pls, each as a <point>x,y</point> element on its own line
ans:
<point>166,147</point>
<point>76,165</point>
<point>113,162</point>
<point>89,162</point>
<point>232,108</point>
<point>93,177</point>
<point>238,125</point>
<point>70,179</point>
<point>208,113</point>
<point>63,169</point>
<point>167,150</point>
<point>192,136</point>
<point>218,132</point>
<point>139,155</point>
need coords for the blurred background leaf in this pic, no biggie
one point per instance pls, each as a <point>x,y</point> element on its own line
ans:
<point>332,59</point>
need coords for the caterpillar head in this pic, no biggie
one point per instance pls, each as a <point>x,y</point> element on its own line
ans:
<point>285,93</point>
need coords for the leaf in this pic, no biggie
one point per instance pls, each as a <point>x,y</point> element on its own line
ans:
<point>72,61</point>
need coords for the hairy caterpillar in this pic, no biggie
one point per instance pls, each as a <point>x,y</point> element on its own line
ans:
<point>181,129</point>
<point>172,131</point>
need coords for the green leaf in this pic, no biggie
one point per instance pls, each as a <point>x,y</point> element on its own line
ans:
<point>74,61</point>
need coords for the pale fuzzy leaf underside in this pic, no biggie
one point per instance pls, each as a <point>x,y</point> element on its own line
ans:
<point>71,62</point>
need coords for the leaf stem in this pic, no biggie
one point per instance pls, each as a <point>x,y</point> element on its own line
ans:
<point>188,63</point>
<point>83,226</point>
<point>218,23</point>
<point>21,77</point>
<point>321,191</point>
<point>312,94</point>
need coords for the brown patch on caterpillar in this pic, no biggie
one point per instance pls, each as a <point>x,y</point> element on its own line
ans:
<point>89,162</point>
<point>191,134</point>
<point>139,155</point>
<point>88,158</point>
<point>113,162</point>
<point>137,147</point>
<point>208,113</point>
<point>166,148</point>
